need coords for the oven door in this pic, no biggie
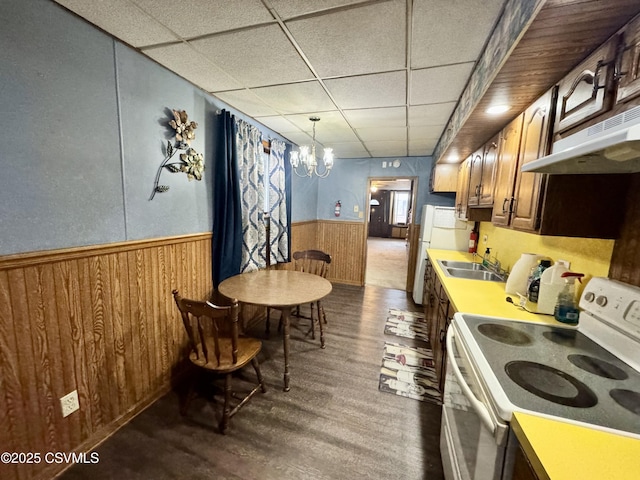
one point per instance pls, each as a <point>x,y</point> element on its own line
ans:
<point>473,440</point>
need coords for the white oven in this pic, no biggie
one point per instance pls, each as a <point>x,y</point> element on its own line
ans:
<point>586,375</point>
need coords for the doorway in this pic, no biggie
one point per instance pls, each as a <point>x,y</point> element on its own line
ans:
<point>387,248</point>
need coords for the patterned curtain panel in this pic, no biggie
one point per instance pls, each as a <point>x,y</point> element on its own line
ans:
<point>279,231</point>
<point>251,169</point>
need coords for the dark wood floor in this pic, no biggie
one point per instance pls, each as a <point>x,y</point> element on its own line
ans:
<point>333,424</point>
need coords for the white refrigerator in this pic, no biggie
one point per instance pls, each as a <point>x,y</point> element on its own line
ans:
<point>439,228</point>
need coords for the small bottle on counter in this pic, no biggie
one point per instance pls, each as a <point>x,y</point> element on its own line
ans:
<point>567,310</point>
<point>534,280</point>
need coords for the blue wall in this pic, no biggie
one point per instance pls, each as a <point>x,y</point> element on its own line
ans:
<point>85,126</point>
<point>349,179</point>
<point>84,120</point>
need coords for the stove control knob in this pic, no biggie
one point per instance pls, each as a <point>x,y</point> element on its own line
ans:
<point>589,296</point>
<point>601,300</point>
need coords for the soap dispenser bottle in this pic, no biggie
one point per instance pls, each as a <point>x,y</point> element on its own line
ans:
<point>566,310</point>
<point>486,257</point>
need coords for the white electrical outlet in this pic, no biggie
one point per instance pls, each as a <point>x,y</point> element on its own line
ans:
<point>69,403</point>
<point>355,209</point>
<point>484,239</point>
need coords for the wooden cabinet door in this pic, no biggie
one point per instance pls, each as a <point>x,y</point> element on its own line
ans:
<point>438,347</point>
<point>629,65</point>
<point>475,177</point>
<point>536,133</point>
<point>489,161</point>
<point>433,304</point>
<point>506,172</point>
<point>587,91</point>
<point>462,190</point>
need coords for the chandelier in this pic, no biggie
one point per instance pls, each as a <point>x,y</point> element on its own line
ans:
<point>306,158</point>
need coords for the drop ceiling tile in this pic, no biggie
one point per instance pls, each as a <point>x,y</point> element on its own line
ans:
<point>278,124</point>
<point>296,97</point>
<point>199,17</point>
<point>349,150</point>
<point>420,150</point>
<point>387,149</point>
<point>246,102</point>
<point>122,19</point>
<point>451,32</point>
<point>367,91</point>
<point>185,61</point>
<point>293,8</point>
<point>421,147</point>
<point>298,138</point>
<point>433,114</point>
<point>255,57</point>
<point>426,131</point>
<point>383,133</point>
<point>373,117</point>
<point>345,42</point>
<point>328,119</point>
<point>439,84</point>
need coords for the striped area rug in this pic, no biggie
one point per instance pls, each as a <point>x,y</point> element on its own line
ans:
<point>408,372</point>
<point>402,323</point>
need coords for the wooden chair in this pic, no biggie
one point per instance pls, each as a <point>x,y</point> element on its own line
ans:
<point>315,262</point>
<point>217,347</point>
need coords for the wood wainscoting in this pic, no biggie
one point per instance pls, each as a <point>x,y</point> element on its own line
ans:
<point>346,243</point>
<point>100,320</point>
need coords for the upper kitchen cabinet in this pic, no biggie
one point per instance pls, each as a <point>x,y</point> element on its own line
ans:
<point>443,177</point>
<point>629,63</point>
<point>588,90</point>
<point>535,143</point>
<point>462,189</point>
<point>506,169</point>
<point>482,174</point>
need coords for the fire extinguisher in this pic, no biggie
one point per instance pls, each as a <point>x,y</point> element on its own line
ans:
<point>473,241</point>
<point>338,207</point>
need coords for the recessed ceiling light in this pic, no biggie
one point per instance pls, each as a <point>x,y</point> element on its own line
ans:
<point>498,109</point>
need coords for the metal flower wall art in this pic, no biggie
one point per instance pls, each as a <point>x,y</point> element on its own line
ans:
<point>190,161</point>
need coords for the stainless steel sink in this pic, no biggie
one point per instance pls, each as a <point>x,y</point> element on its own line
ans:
<point>462,265</point>
<point>473,274</point>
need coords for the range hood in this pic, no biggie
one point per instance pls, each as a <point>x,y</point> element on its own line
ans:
<point>611,146</point>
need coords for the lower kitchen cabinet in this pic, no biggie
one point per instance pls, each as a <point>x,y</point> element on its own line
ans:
<point>439,312</point>
<point>522,469</point>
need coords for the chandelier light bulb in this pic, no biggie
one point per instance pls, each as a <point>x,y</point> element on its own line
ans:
<point>307,160</point>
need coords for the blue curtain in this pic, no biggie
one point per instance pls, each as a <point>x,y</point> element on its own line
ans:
<point>226,244</point>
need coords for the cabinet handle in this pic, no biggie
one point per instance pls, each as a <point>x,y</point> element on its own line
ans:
<point>477,190</point>
<point>504,210</point>
<point>596,77</point>
<point>442,335</point>
<point>512,205</point>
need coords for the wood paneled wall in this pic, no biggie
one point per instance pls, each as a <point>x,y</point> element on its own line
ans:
<point>345,241</point>
<point>97,319</point>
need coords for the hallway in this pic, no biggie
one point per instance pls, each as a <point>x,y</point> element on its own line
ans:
<point>386,262</point>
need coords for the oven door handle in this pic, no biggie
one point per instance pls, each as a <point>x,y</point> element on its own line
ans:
<point>477,405</point>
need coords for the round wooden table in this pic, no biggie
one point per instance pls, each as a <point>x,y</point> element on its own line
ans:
<point>279,289</point>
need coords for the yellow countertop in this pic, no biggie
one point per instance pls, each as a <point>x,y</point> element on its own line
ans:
<point>557,450</point>
<point>560,450</point>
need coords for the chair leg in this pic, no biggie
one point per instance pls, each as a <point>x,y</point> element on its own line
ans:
<point>324,317</point>
<point>322,345</point>
<point>256,367</point>
<point>313,325</point>
<point>226,412</point>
